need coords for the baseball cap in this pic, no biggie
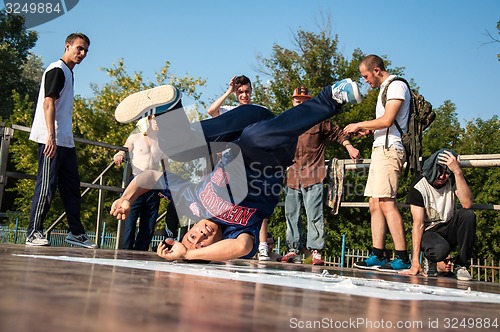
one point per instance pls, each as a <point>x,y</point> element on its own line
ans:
<point>301,92</point>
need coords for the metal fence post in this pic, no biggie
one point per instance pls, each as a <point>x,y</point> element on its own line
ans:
<point>343,251</point>
<point>103,235</point>
<point>4,156</point>
<point>16,230</point>
<point>100,207</point>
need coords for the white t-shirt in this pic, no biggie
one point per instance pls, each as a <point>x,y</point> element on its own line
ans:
<point>439,204</point>
<point>63,105</point>
<point>224,109</point>
<point>396,90</point>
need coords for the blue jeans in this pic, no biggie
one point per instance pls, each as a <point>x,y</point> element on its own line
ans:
<point>145,208</point>
<point>312,197</point>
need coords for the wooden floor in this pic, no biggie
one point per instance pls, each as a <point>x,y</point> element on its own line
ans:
<point>73,289</point>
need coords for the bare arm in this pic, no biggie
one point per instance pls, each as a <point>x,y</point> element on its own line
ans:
<point>49,111</point>
<point>417,213</point>
<point>213,110</point>
<point>334,133</point>
<point>120,155</point>
<point>463,191</point>
<point>220,251</point>
<point>353,152</point>
<point>392,108</point>
<point>142,183</point>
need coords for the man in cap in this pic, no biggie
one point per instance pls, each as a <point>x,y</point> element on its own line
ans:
<point>304,184</point>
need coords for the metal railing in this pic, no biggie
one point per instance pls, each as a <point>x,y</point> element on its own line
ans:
<point>8,132</point>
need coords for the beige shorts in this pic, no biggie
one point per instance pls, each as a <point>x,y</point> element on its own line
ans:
<point>385,169</point>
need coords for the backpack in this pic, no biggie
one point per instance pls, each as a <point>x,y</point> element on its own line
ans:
<point>420,117</point>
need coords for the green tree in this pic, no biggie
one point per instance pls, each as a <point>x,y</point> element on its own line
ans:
<point>482,137</point>
<point>498,28</point>
<point>444,132</point>
<point>314,62</point>
<point>18,69</point>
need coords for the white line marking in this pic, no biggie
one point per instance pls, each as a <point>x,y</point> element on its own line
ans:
<point>325,282</point>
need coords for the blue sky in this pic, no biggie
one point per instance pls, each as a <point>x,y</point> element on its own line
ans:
<point>443,44</point>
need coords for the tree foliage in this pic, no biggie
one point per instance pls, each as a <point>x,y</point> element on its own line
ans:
<point>19,69</point>
<point>483,137</point>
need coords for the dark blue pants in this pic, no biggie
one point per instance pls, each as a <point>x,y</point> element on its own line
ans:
<point>459,232</point>
<point>261,136</point>
<point>60,172</point>
<point>146,208</point>
<point>267,142</point>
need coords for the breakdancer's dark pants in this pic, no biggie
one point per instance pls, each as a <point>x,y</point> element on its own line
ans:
<point>258,143</point>
<point>262,137</point>
<point>459,232</point>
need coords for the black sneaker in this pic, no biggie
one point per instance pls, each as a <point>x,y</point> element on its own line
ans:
<point>81,240</point>
<point>431,269</point>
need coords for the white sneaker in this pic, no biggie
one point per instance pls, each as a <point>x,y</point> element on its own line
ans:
<point>37,239</point>
<point>81,240</point>
<point>316,258</point>
<point>462,274</point>
<point>148,102</point>
<point>264,253</point>
<point>346,91</point>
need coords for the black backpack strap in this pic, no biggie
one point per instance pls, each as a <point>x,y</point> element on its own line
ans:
<point>387,134</point>
<point>384,101</point>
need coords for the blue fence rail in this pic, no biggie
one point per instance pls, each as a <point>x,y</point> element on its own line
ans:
<point>480,271</point>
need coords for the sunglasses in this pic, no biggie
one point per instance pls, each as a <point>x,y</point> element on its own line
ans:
<point>448,260</point>
<point>442,170</point>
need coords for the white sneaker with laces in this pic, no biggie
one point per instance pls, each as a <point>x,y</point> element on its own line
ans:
<point>148,102</point>
<point>462,274</point>
<point>81,240</point>
<point>264,253</point>
<point>37,239</point>
<point>346,91</point>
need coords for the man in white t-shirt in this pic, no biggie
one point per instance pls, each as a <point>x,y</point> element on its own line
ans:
<point>241,86</point>
<point>52,130</point>
<point>388,157</point>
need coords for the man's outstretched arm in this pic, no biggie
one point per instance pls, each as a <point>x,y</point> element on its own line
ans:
<point>141,184</point>
<point>220,251</point>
